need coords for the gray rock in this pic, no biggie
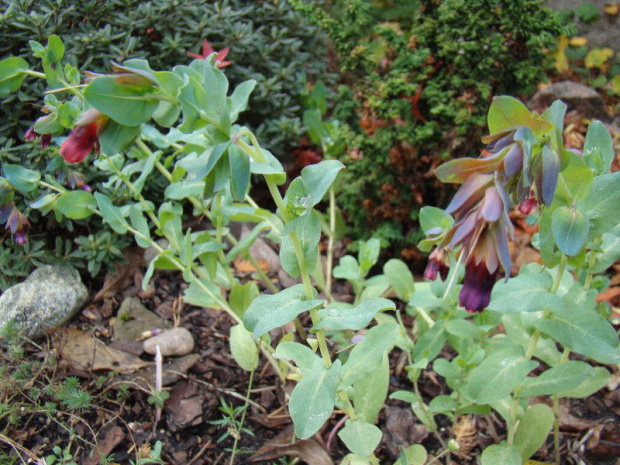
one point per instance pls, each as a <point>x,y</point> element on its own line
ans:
<point>133,319</point>
<point>577,96</point>
<point>172,343</point>
<point>47,299</point>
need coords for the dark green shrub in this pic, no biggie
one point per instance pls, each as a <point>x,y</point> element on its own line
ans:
<point>417,95</point>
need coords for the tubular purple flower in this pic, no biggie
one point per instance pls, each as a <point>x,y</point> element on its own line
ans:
<point>436,265</point>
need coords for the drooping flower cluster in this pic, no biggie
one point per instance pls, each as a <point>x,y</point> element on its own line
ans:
<point>480,209</point>
<point>14,221</point>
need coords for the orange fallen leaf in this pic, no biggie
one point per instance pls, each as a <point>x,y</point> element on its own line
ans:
<point>82,352</point>
<point>612,9</point>
<point>608,294</point>
<point>245,266</point>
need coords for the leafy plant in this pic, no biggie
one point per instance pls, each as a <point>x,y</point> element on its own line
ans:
<point>181,123</point>
<point>416,92</point>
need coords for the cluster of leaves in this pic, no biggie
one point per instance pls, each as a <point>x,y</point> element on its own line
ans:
<point>598,66</point>
<point>417,91</point>
<point>269,43</point>
<point>182,124</point>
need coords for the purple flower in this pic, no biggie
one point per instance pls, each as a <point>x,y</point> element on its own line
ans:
<point>475,294</point>
<point>85,136</point>
<point>32,135</point>
<point>15,222</point>
<point>436,265</point>
<point>78,180</point>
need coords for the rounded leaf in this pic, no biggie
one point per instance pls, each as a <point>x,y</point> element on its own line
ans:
<point>570,229</point>
<point>76,205</point>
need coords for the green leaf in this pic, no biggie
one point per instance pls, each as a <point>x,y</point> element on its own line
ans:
<point>302,355</point>
<point>139,223</point>
<point>369,393</point>
<point>240,172</point>
<point>318,178</point>
<point>12,75</point>
<point>22,179</point>
<point>498,375</point>
<point>267,312</point>
<point>400,278</point>
<point>127,105</point>
<point>347,268</point>
<point>429,344</point>
<point>368,255</point>
<point>582,331</point>
<point>533,429</point>
<point>243,348</point>
<point>52,58</point>
<point>563,377</point>
<point>312,401</point>
<point>570,229</point>
<point>241,296</point>
<point>308,231</point>
<point>442,404</point>
<point>335,318</point>
<point>501,454</point>
<point>590,385</point>
<point>507,113</point>
<point>111,214</point>
<point>216,109</point>
<point>116,137</point>
<point>360,438</point>
<point>413,455</point>
<point>76,205</point>
<point>367,355</point>
<point>526,292</point>
<point>238,101</point>
<point>602,206</point>
<point>195,295</point>
<point>183,189</point>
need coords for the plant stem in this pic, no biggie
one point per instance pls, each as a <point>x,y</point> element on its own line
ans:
<point>453,277</point>
<point>530,353</point>
<point>330,244</point>
<point>239,431</point>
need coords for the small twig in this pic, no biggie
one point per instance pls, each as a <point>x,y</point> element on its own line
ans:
<point>225,391</point>
<point>333,432</point>
<point>200,452</point>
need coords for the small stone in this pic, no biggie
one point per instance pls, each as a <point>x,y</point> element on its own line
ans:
<point>172,343</point>
<point>133,319</point>
<point>47,299</point>
<point>582,98</point>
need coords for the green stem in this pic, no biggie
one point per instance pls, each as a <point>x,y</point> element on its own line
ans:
<point>52,187</point>
<point>588,282</point>
<point>530,353</point>
<point>330,244</point>
<point>556,427</point>
<point>240,428</point>
<point>36,74</point>
<point>453,276</point>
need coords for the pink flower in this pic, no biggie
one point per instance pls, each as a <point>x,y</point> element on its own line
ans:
<point>84,137</point>
<point>207,50</point>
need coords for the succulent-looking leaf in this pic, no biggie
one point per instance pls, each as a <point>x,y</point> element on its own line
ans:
<point>533,429</point>
<point>356,318</point>
<point>360,438</point>
<point>570,230</point>
<point>267,312</point>
<point>243,348</point>
<point>12,75</point>
<point>312,401</point>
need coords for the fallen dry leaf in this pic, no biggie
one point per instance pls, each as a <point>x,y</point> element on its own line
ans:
<point>113,437</point>
<point>82,352</point>
<point>123,275</point>
<point>245,266</point>
<point>612,9</point>
<point>307,450</point>
<point>608,294</point>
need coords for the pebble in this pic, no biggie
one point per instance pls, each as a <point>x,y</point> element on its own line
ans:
<point>172,343</point>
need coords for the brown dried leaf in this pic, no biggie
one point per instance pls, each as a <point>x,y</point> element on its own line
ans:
<point>245,266</point>
<point>612,9</point>
<point>307,450</point>
<point>113,437</point>
<point>123,273</point>
<point>82,352</point>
